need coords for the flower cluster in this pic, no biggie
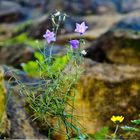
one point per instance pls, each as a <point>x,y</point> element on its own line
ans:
<point>80,28</point>
<point>116,119</point>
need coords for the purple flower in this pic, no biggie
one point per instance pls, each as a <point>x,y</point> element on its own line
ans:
<point>49,36</point>
<point>81,28</point>
<point>74,43</point>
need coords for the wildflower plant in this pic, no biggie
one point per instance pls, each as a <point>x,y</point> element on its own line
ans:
<point>51,98</point>
<point>117,120</point>
<point>131,132</point>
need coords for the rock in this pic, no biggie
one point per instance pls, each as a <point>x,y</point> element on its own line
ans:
<point>118,45</point>
<point>6,32</point>
<point>105,90</point>
<point>84,7</point>
<point>19,124</point>
<point>100,6</point>
<point>123,6</point>
<point>130,23</point>
<point>4,122</point>
<point>9,11</point>
<point>33,3</point>
<point>15,55</point>
<point>39,27</point>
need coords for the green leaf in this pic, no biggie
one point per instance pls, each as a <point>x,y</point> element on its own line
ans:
<point>101,134</point>
<point>31,68</point>
<point>136,121</point>
<point>59,64</point>
<point>39,56</point>
<point>129,128</point>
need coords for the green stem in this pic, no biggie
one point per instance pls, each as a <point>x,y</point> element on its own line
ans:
<point>116,129</point>
<point>51,49</point>
<point>114,137</point>
<point>66,127</point>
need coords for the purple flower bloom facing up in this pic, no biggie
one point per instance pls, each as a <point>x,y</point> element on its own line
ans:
<point>49,36</point>
<point>74,43</point>
<point>81,28</point>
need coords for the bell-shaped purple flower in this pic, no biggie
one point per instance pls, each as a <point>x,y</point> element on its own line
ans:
<point>74,43</point>
<point>49,36</point>
<point>81,28</point>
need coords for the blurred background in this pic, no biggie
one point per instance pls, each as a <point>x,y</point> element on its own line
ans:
<point>111,83</point>
<point>32,18</point>
<point>28,20</point>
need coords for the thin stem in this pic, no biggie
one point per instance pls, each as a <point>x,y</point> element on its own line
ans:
<point>51,48</point>
<point>63,118</point>
<point>116,129</point>
<point>67,131</point>
<point>114,137</point>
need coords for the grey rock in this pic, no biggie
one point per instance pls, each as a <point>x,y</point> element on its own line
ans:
<point>120,44</point>
<point>15,55</point>
<point>131,23</point>
<point>10,11</point>
<point>29,3</point>
<point>101,6</point>
<point>16,123</point>
<point>21,124</point>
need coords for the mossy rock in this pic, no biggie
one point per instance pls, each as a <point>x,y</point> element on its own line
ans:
<point>106,90</point>
<point>3,115</point>
<point>124,48</point>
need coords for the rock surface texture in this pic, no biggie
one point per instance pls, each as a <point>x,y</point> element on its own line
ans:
<point>106,90</point>
<point>15,122</point>
<point>4,123</point>
<point>118,45</point>
<point>15,55</point>
<point>9,11</point>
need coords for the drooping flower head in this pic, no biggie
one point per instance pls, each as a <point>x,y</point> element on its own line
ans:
<point>81,28</point>
<point>74,43</point>
<point>116,119</point>
<point>49,36</point>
